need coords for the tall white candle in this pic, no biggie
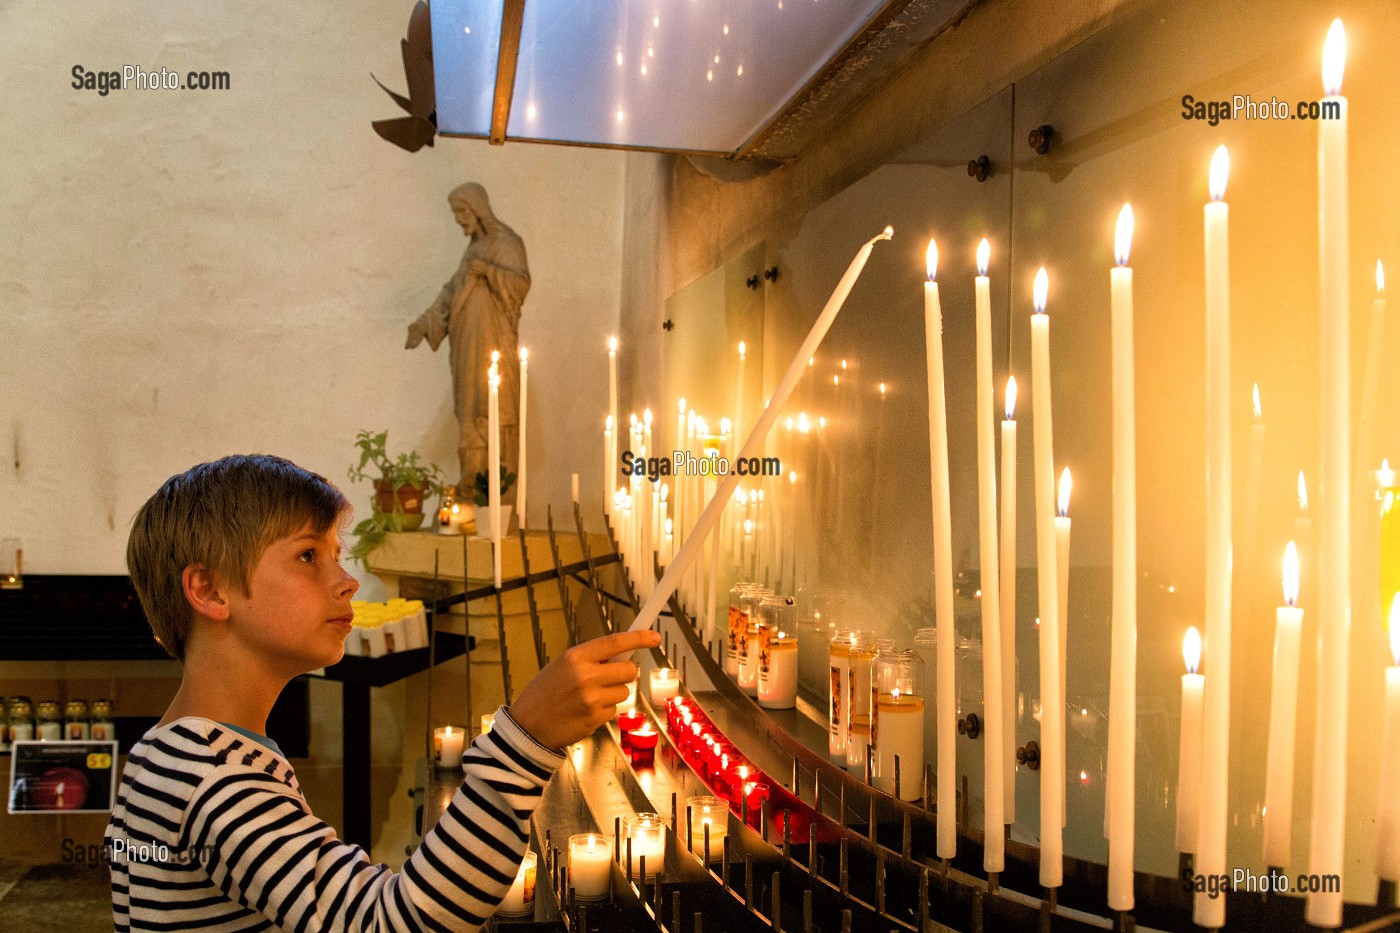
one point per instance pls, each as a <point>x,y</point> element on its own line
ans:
<point>1388,821</point>
<point>739,392</point>
<point>1188,767</point>
<point>520,483</point>
<point>993,748</point>
<point>946,709</point>
<point>494,457</point>
<point>1210,849</point>
<point>1253,479</point>
<point>1366,429</point>
<point>1334,492</point>
<point>1008,601</point>
<point>708,519</point>
<point>610,464</point>
<point>1052,715</point>
<point>1283,720</point>
<point>1063,527</point>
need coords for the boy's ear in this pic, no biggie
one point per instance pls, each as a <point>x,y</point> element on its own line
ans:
<point>203,592</point>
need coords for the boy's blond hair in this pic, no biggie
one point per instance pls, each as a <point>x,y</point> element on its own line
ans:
<point>223,515</point>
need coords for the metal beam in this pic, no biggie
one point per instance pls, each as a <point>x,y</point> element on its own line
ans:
<point>512,21</point>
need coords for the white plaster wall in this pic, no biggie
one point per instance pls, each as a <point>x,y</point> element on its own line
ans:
<point>186,275</point>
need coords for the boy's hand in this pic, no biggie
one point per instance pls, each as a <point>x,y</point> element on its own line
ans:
<point>579,690</point>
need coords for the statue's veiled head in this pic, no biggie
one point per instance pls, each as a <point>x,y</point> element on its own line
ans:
<point>471,207</point>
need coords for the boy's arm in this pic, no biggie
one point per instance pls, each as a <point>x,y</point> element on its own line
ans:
<point>266,851</point>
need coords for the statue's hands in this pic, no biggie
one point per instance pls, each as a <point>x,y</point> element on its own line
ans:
<point>416,333</point>
<point>478,267</point>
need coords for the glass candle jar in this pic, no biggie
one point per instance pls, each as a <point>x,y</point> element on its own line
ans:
<point>75,721</point>
<point>102,729</point>
<point>21,718</point>
<point>590,865</point>
<point>838,709</point>
<point>897,723</point>
<point>520,899</point>
<point>709,823</point>
<point>737,623</point>
<point>777,653</point>
<point>644,844</point>
<point>862,652</point>
<point>48,724</point>
<point>665,683</point>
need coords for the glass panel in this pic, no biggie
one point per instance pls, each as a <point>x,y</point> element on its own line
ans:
<point>692,76</point>
<point>466,43</point>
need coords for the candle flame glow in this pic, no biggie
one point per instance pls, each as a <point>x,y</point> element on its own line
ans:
<point>1302,493</point>
<point>1334,58</point>
<point>882,390</point>
<point>792,477</point>
<point>680,406</point>
<point>1010,398</point>
<point>895,692</point>
<point>1040,290</point>
<point>1123,236</point>
<point>1066,484</point>
<point>843,365</point>
<point>608,424</point>
<point>931,261</point>
<point>803,425</point>
<point>1290,574</point>
<point>1191,650</point>
<point>742,349</point>
<point>668,528</point>
<point>1395,629</point>
<point>984,256</point>
<point>449,731</point>
<point>821,423</point>
<point>524,354</point>
<point>748,527</point>
<point>493,377</point>
<point>1385,476</point>
<point>1219,173</point>
<point>665,490</point>
<point>495,357</point>
<point>724,426</point>
<point>612,344</point>
<point>632,419</point>
<point>836,381</point>
<point>1380,279</point>
<point>1258,412</point>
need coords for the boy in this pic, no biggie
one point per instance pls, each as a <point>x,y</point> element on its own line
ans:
<point>236,563</point>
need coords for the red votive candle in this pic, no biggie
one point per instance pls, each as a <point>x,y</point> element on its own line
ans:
<point>643,739</point>
<point>632,719</point>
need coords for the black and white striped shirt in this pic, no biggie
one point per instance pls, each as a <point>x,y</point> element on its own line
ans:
<point>210,832</point>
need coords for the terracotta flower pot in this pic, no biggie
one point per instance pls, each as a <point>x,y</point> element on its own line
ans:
<point>409,514</point>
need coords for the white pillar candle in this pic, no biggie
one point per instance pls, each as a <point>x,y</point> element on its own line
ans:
<point>1215,757</point>
<point>520,899</point>
<point>1122,691</point>
<point>1052,703</point>
<point>1188,767</point>
<point>946,701</point>
<point>447,746</point>
<point>493,437</point>
<point>1388,821</point>
<point>610,454</point>
<point>590,865</point>
<point>777,670</point>
<point>1008,602</point>
<point>1283,720</point>
<point>520,482</point>
<point>900,720</point>
<point>1326,856</point>
<point>664,683</point>
<point>993,747</point>
<point>705,524</point>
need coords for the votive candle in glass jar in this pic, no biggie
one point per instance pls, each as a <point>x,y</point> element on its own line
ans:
<point>712,814</point>
<point>665,683</point>
<point>520,899</point>
<point>777,653</point>
<point>590,865</point>
<point>646,832</point>
<point>897,723</point>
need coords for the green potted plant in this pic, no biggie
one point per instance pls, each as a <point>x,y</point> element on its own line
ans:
<point>401,486</point>
<point>481,498</point>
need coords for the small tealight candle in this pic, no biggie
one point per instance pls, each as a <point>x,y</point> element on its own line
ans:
<point>643,739</point>
<point>520,899</point>
<point>665,684</point>
<point>712,814</point>
<point>632,719</point>
<point>590,865</point>
<point>447,746</point>
<point>487,721</point>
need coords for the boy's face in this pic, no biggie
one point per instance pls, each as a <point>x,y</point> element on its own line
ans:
<point>297,611</point>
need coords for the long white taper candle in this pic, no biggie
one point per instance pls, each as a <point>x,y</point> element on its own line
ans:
<point>1008,601</point>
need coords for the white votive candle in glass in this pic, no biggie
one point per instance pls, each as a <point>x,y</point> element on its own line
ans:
<point>710,813</point>
<point>447,746</point>
<point>520,899</point>
<point>487,721</point>
<point>646,834</point>
<point>665,683</point>
<point>777,669</point>
<point>590,865</point>
<point>900,721</point>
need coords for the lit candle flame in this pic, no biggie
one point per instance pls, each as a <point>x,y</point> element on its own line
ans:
<point>882,390</point>
<point>1010,398</point>
<point>668,528</point>
<point>792,477</point>
<point>984,256</point>
<point>1380,279</point>
<point>493,377</point>
<point>608,424</point>
<point>1258,412</point>
<point>646,417</point>
<point>1066,484</point>
<point>612,344</point>
<point>1385,475</point>
<point>742,349</point>
<point>680,407</point>
<point>524,354</point>
<point>1040,290</point>
<point>449,732</point>
<point>843,365</point>
<point>836,381</point>
<point>1219,173</point>
<point>803,425</point>
<point>1334,58</point>
<point>931,261</point>
<point>1302,493</point>
<point>895,692</point>
<point>665,491</point>
<point>1123,237</point>
<point>821,423</point>
<point>632,419</point>
<point>1191,650</point>
<point>1290,574</point>
<point>495,357</point>
<point>724,426</point>
<point>748,527</point>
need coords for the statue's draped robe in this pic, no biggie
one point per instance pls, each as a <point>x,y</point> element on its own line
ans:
<point>481,313</point>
